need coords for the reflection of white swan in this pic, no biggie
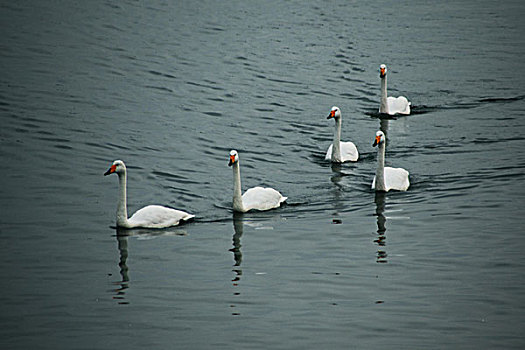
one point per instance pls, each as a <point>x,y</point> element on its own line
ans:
<point>151,216</point>
<point>238,228</point>
<point>391,105</point>
<point>340,152</point>
<point>258,198</point>
<point>387,178</point>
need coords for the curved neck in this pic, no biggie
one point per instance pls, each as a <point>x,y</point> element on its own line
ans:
<point>237,198</point>
<point>383,107</point>
<point>336,145</point>
<point>380,172</point>
<point>122,212</point>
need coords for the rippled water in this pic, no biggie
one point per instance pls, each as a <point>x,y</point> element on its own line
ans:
<point>170,88</point>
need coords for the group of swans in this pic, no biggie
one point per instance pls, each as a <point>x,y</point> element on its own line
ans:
<point>265,198</point>
<point>386,178</point>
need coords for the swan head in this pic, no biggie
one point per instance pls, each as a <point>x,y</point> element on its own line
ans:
<point>382,71</point>
<point>234,157</point>
<point>335,112</point>
<point>380,138</point>
<point>118,167</point>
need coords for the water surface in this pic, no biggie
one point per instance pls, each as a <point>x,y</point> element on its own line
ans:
<point>171,88</point>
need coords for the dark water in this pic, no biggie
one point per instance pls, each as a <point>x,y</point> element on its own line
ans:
<point>171,87</point>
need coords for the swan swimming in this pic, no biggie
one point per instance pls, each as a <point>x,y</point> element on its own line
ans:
<point>257,198</point>
<point>151,216</point>
<point>387,178</point>
<point>391,105</point>
<point>340,152</point>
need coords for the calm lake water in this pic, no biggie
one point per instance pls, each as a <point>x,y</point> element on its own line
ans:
<point>172,87</point>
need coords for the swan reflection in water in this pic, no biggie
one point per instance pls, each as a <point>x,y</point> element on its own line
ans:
<point>123,284</point>
<point>381,228</point>
<point>338,191</point>
<point>238,227</point>
<point>122,236</point>
<point>236,249</point>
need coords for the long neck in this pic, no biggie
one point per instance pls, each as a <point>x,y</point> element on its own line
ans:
<point>122,212</point>
<point>237,198</point>
<point>383,107</point>
<point>380,172</point>
<point>336,145</point>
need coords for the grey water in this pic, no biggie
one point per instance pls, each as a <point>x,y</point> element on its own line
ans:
<point>172,87</point>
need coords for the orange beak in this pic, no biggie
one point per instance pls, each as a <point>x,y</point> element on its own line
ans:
<point>382,72</point>
<point>232,160</point>
<point>331,115</point>
<point>111,170</point>
<point>376,142</point>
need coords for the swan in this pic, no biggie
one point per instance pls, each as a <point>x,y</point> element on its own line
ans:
<point>340,152</point>
<point>391,105</point>
<point>387,178</point>
<point>151,216</point>
<point>258,198</point>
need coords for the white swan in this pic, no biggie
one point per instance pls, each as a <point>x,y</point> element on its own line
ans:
<point>258,198</point>
<point>387,178</point>
<point>151,216</point>
<point>340,152</point>
<point>391,105</point>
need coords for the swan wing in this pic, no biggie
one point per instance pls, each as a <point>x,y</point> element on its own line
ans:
<point>329,153</point>
<point>156,216</point>
<point>398,105</point>
<point>396,179</point>
<point>262,198</point>
<point>349,152</point>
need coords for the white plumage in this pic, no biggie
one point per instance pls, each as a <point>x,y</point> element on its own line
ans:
<point>342,151</point>
<point>391,105</point>
<point>151,216</point>
<point>395,179</point>
<point>256,198</point>
<point>156,216</point>
<point>388,178</point>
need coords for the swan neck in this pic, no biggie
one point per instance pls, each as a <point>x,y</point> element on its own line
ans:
<point>380,172</point>
<point>336,145</point>
<point>237,197</point>
<point>383,107</point>
<point>122,212</point>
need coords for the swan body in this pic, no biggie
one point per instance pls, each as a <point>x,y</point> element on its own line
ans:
<point>256,198</point>
<point>151,216</point>
<point>391,105</point>
<point>340,152</point>
<point>387,178</point>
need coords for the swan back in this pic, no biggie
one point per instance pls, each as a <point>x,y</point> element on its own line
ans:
<point>262,198</point>
<point>395,179</point>
<point>398,105</point>
<point>156,216</point>
<point>348,150</point>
